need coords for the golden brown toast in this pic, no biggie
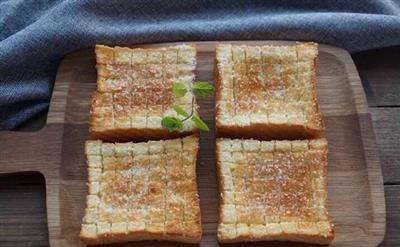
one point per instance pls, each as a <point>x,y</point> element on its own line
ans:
<point>267,92</point>
<point>273,190</point>
<point>142,191</point>
<point>134,92</point>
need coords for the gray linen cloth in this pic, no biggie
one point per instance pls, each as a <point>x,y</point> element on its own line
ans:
<point>36,34</point>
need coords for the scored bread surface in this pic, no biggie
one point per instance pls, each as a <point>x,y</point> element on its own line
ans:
<point>273,190</point>
<point>142,191</point>
<point>134,91</point>
<point>267,92</point>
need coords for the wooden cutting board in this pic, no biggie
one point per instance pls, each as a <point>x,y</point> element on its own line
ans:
<point>356,195</point>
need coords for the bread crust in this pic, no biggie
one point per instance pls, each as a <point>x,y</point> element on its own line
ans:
<point>319,231</point>
<point>268,132</point>
<point>138,134</point>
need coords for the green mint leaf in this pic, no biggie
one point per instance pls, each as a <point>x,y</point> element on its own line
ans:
<point>180,111</point>
<point>171,123</point>
<point>200,124</point>
<point>202,89</point>
<point>179,89</point>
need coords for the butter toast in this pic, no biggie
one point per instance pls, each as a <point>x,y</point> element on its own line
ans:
<point>142,191</point>
<point>134,92</point>
<point>267,92</point>
<point>273,190</point>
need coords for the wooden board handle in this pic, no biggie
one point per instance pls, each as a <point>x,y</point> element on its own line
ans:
<point>18,151</point>
<point>29,151</point>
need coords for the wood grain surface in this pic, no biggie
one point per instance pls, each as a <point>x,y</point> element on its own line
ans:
<point>355,182</point>
<point>387,125</point>
<point>379,70</point>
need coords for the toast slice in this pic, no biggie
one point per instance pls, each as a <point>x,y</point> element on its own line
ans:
<point>134,92</point>
<point>273,190</point>
<point>267,92</point>
<point>142,191</point>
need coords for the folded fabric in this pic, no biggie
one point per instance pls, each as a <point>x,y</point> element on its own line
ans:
<point>35,35</point>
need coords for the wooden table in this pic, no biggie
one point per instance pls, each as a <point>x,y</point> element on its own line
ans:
<point>22,196</point>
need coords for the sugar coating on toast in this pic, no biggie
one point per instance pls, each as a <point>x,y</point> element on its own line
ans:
<point>134,87</point>
<point>267,89</point>
<point>273,190</point>
<point>141,191</point>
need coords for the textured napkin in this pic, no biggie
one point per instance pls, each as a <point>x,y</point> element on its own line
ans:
<point>35,35</point>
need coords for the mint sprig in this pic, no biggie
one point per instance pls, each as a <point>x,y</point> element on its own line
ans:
<point>179,89</point>
<point>200,124</point>
<point>199,89</point>
<point>180,111</point>
<point>202,89</point>
<point>171,123</point>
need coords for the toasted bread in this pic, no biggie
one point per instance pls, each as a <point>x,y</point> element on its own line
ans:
<point>134,92</point>
<point>273,190</point>
<point>267,92</point>
<point>142,191</point>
